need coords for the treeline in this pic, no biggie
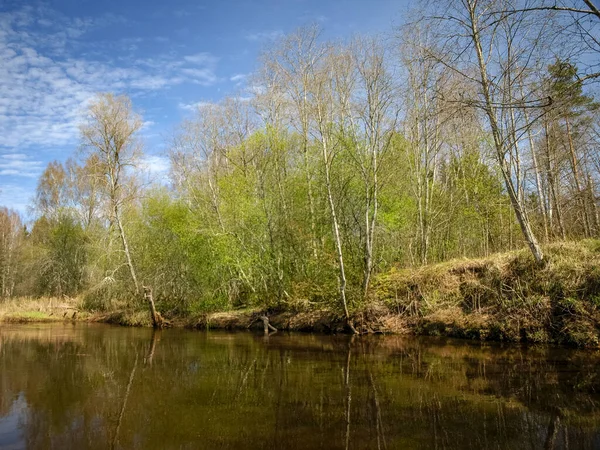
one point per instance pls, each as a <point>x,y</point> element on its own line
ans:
<point>457,135</point>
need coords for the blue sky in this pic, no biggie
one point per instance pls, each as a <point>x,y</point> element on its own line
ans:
<point>167,55</point>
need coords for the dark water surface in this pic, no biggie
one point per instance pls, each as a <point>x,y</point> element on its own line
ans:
<point>96,387</point>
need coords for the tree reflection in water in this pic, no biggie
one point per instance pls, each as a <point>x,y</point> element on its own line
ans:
<point>66,386</point>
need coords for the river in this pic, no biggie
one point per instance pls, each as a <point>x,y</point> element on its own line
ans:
<point>92,386</point>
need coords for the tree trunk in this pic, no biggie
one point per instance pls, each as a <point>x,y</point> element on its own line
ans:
<point>553,194</point>
<point>592,200</point>
<point>538,178</point>
<point>336,235</point>
<point>126,249</point>
<point>579,195</point>
<point>518,208</point>
<point>267,326</point>
<point>157,319</point>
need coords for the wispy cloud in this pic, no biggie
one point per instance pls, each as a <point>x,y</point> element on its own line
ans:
<point>192,106</point>
<point>15,196</point>
<point>202,58</point>
<point>155,169</point>
<point>237,78</point>
<point>44,85</point>
<point>155,164</point>
<point>20,165</point>
<point>263,36</point>
<point>49,71</point>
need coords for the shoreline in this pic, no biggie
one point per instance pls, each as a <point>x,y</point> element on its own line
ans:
<point>503,297</point>
<point>471,327</point>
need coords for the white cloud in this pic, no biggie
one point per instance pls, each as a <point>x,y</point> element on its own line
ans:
<point>203,59</point>
<point>192,106</point>
<point>238,77</point>
<point>20,165</point>
<point>155,169</point>
<point>158,165</point>
<point>204,77</point>
<point>148,124</point>
<point>14,156</point>
<point>44,88</point>
<point>263,36</point>
<point>48,74</point>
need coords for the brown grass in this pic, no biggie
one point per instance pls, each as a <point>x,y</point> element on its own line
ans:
<point>46,309</point>
<point>504,297</point>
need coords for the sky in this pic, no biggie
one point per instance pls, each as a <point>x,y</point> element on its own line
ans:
<point>166,55</point>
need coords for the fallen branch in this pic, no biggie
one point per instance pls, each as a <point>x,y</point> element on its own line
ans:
<point>265,320</point>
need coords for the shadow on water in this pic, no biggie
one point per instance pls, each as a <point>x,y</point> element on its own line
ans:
<point>96,387</point>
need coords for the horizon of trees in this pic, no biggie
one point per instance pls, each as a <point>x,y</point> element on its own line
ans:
<point>468,131</point>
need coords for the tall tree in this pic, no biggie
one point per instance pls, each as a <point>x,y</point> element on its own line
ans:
<point>52,191</point>
<point>327,93</point>
<point>377,112</point>
<point>110,135</point>
<point>291,63</point>
<point>492,51</point>
<point>11,235</point>
<point>571,107</point>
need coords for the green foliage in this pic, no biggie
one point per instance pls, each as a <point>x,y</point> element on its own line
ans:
<point>62,256</point>
<point>567,91</point>
<point>249,220</point>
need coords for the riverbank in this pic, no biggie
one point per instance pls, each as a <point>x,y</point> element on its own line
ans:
<point>504,297</point>
<point>46,309</point>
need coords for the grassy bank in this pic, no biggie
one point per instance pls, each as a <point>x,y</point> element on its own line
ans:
<point>504,297</point>
<point>23,310</point>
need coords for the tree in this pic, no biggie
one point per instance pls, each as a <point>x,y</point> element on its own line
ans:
<point>422,127</point>
<point>61,255</point>
<point>377,114</point>
<point>11,236</point>
<point>492,51</point>
<point>571,107</point>
<point>327,83</point>
<point>109,135</point>
<point>291,64</point>
<point>575,26</point>
<point>51,192</point>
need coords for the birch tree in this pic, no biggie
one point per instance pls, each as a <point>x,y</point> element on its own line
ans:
<point>323,96</point>
<point>109,133</point>
<point>376,113</point>
<point>294,60</point>
<point>11,236</point>
<point>492,51</point>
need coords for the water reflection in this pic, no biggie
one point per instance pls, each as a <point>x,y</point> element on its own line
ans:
<point>92,386</point>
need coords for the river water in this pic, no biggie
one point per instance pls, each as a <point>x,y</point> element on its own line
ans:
<point>90,386</point>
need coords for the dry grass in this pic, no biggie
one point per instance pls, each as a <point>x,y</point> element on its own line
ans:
<point>505,296</point>
<point>46,309</point>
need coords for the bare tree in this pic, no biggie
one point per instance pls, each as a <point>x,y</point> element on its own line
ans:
<point>492,51</point>
<point>51,191</point>
<point>376,115</point>
<point>11,233</point>
<point>292,63</point>
<point>85,189</point>
<point>422,123</point>
<point>110,134</point>
<point>325,88</point>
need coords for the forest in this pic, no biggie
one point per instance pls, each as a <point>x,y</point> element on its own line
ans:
<point>469,130</point>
